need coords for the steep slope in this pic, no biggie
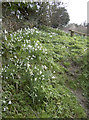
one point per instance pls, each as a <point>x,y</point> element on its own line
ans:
<point>40,67</point>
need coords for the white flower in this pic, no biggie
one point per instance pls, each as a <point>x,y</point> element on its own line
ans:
<point>45,52</point>
<point>35,49</point>
<point>4,101</point>
<point>31,73</point>
<point>42,78</point>
<point>31,58</point>
<point>40,72</point>
<point>36,44</point>
<point>6,77</point>
<point>38,47</point>
<point>50,92</point>
<point>24,45</point>
<point>5,37</point>
<point>85,49</point>
<point>6,32</point>
<point>35,79</point>
<point>53,77</point>
<point>50,35</point>
<point>28,65</point>
<point>4,109</point>
<point>35,67</point>
<point>15,56</point>
<point>45,67</point>
<point>37,32</point>
<point>11,74</point>
<point>40,58</point>
<point>13,70</point>
<point>29,46</point>
<point>9,102</point>
<point>42,75</point>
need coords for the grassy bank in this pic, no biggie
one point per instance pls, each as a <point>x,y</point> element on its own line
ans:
<point>41,68</point>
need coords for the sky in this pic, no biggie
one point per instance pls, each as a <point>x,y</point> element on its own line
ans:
<point>77,10</point>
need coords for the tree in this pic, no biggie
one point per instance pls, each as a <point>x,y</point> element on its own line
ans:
<point>43,13</point>
<point>20,14</point>
<point>59,16</point>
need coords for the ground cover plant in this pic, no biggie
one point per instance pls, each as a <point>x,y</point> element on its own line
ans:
<point>40,68</point>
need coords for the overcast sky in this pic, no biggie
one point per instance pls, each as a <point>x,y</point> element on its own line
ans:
<point>77,10</point>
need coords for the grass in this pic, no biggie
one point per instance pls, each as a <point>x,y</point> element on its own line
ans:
<point>40,68</point>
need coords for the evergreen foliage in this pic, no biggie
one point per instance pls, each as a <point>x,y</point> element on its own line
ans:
<point>19,14</point>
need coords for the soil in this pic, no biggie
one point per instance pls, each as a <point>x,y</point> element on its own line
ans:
<point>83,101</point>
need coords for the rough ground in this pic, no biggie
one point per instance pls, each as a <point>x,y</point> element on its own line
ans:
<point>82,100</point>
<point>78,92</point>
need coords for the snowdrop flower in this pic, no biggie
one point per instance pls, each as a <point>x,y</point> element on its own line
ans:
<point>5,37</point>
<point>25,28</point>
<point>15,64</point>
<point>85,49</point>
<point>13,70</point>
<point>53,77</point>
<point>31,73</point>
<point>2,69</point>
<point>6,77</point>
<point>42,75</point>
<point>31,58</point>
<point>4,109</point>
<point>11,74</point>
<point>50,92</point>
<point>37,41</point>
<point>45,52</point>
<point>28,65</point>
<point>36,44</point>
<point>9,102</point>
<point>35,79</point>
<point>34,56</point>
<point>35,95</point>
<point>44,67</point>
<point>27,58</point>
<point>38,47</point>
<point>6,32</point>
<point>35,49</point>
<point>29,46</point>
<point>4,101</point>
<point>24,45</point>
<point>50,35</point>
<point>37,32</point>
<point>5,97</point>
<point>35,67</point>
<point>40,72</point>
<point>42,78</point>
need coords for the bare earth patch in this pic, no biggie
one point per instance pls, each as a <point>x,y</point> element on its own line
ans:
<point>83,101</point>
